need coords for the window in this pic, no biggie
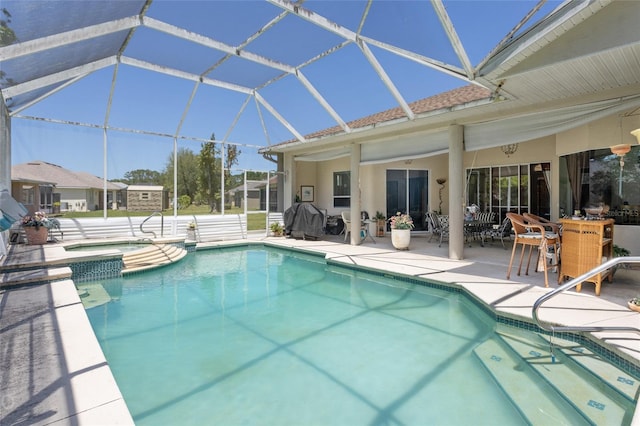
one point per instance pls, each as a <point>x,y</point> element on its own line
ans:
<point>28,195</point>
<point>145,196</point>
<point>342,189</point>
<point>46,198</point>
<point>598,178</point>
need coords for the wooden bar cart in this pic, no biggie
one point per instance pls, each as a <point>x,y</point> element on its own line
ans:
<point>585,245</point>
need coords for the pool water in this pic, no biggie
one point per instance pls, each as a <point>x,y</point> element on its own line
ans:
<point>264,337</point>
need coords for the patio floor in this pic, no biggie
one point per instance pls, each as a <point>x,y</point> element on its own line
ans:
<point>53,369</point>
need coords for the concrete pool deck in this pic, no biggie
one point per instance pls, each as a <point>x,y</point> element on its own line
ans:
<point>53,370</point>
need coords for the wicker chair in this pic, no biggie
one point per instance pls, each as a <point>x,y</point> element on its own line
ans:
<point>548,225</point>
<point>533,235</point>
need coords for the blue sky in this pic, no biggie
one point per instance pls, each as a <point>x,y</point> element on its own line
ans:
<point>155,102</point>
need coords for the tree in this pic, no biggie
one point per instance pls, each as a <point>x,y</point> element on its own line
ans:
<point>142,177</point>
<point>256,176</point>
<point>209,172</point>
<point>232,159</point>
<point>7,37</point>
<point>187,179</point>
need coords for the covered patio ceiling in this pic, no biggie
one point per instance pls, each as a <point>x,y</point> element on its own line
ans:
<point>262,72</point>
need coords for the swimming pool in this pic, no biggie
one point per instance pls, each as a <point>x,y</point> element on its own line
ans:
<point>263,336</point>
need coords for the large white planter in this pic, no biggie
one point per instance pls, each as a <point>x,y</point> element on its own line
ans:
<point>400,238</point>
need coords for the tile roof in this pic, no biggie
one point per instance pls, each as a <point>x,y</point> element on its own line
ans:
<point>455,97</point>
<point>58,175</point>
<point>252,185</point>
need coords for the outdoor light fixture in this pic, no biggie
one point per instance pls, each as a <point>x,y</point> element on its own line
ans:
<point>620,151</point>
<point>441,182</point>
<point>509,149</point>
<point>636,133</point>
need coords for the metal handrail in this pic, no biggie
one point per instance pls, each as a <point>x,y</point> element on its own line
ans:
<point>574,282</point>
<point>161,224</point>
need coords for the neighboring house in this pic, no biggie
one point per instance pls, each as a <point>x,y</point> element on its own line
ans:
<point>146,198</point>
<point>35,195</point>
<point>236,195</point>
<point>74,191</point>
<point>273,194</point>
<point>120,201</point>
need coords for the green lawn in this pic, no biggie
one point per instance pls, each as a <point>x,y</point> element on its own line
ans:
<point>255,221</point>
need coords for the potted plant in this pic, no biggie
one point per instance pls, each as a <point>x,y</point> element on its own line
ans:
<point>191,230</point>
<point>380,223</point>
<point>401,226</point>
<point>276,229</point>
<point>36,228</point>
<point>619,252</point>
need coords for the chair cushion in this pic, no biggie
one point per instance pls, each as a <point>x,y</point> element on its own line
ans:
<point>537,235</point>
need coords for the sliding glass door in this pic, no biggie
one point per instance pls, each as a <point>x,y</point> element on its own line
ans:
<point>407,192</point>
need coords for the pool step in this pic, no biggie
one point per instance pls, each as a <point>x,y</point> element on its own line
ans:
<point>537,402</point>
<point>592,394</point>
<point>599,394</point>
<point>626,385</point>
<point>154,256</point>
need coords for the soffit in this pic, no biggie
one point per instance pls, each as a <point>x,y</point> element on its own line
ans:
<point>590,51</point>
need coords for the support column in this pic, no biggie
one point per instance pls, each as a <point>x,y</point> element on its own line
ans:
<point>355,195</point>
<point>456,192</point>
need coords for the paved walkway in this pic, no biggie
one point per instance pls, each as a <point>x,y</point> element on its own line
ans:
<point>52,369</point>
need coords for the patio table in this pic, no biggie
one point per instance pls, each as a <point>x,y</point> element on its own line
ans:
<point>475,229</point>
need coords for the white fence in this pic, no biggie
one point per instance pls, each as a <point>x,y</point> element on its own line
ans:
<point>208,227</point>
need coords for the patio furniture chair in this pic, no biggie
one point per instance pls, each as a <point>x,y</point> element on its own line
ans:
<point>55,230</point>
<point>475,229</point>
<point>433,225</point>
<point>548,225</point>
<point>364,226</point>
<point>503,231</point>
<point>533,235</point>
<point>439,226</point>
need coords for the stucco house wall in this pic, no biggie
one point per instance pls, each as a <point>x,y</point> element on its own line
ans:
<point>75,200</point>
